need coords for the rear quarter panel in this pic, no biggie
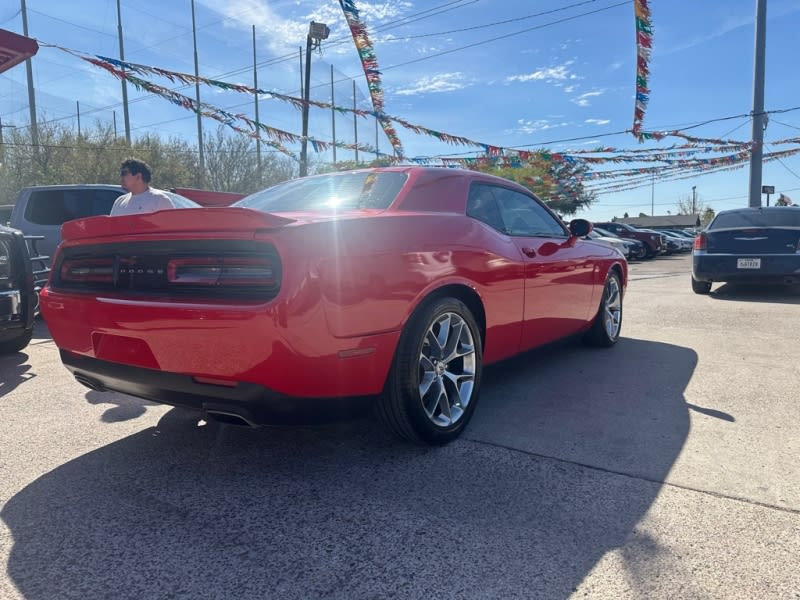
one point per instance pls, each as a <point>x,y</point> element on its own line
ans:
<point>373,273</point>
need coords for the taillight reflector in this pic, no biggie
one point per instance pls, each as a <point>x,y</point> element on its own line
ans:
<point>96,270</point>
<point>221,271</point>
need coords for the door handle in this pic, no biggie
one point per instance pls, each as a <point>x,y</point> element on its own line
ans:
<point>530,252</point>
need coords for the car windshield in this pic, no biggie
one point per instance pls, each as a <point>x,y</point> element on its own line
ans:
<point>783,217</point>
<point>179,201</point>
<point>332,192</point>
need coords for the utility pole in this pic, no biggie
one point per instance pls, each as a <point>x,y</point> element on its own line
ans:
<point>2,148</point>
<point>694,199</point>
<point>759,118</point>
<point>201,174</point>
<point>31,95</point>
<point>653,196</point>
<point>316,33</point>
<point>255,86</point>
<point>78,105</point>
<point>355,121</point>
<point>124,83</point>
<point>333,119</point>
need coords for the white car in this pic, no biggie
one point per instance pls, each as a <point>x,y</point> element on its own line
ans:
<point>617,243</point>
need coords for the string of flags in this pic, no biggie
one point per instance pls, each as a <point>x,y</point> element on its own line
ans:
<point>644,44</point>
<point>672,160</point>
<point>370,65</point>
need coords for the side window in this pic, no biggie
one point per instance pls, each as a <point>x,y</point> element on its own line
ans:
<point>526,216</point>
<point>47,207</point>
<point>55,207</point>
<point>482,205</point>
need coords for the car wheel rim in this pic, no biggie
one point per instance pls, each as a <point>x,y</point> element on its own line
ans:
<point>447,366</point>
<point>612,308</point>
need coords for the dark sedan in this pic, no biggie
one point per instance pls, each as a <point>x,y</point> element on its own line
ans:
<point>748,245</point>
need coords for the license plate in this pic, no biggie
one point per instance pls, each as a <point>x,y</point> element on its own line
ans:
<point>748,263</point>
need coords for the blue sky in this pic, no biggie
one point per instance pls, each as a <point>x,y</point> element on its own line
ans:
<point>499,72</point>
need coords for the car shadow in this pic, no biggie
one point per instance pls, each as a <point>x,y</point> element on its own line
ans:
<point>15,369</point>
<point>566,453</point>
<point>746,292</point>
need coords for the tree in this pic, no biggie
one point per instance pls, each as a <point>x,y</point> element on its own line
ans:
<point>95,156</point>
<point>690,205</point>
<point>707,216</point>
<point>558,183</point>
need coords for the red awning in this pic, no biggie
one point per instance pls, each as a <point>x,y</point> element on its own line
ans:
<point>15,48</point>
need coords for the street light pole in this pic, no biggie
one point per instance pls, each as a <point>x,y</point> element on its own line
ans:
<point>759,117</point>
<point>316,33</point>
<point>694,199</point>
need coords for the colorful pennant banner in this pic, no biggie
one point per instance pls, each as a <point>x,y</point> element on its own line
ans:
<point>644,44</point>
<point>370,65</point>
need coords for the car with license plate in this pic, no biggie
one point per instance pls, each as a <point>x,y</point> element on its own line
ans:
<point>748,245</point>
<point>394,285</point>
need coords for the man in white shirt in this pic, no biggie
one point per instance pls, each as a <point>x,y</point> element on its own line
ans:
<point>134,177</point>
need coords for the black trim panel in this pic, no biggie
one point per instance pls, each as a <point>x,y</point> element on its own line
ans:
<point>256,404</point>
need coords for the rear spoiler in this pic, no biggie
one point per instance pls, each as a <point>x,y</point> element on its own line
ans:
<point>179,220</point>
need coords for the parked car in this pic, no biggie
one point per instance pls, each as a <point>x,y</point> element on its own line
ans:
<point>682,243</point>
<point>748,245</point>
<point>394,284</point>
<point>652,241</point>
<point>18,299</point>
<point>41,210</point>
<point>636,249</point>
<point>609,241</point>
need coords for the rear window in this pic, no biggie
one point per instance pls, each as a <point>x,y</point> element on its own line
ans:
<point>329,193</point>
<point>783,217</point>
<point>54,207</point>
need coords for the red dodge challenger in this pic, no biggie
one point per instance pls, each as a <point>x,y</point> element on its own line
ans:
<point>394,285</point>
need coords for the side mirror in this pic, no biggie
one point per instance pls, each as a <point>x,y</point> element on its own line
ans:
<point>580,227</point>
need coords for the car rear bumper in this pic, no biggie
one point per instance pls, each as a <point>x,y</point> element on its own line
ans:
<point>778,268</point>
<point>243,403</point>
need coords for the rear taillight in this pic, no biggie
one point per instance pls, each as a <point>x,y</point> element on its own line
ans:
<point>221,271</point>
<point>95,270</point>
<point>700,242</point>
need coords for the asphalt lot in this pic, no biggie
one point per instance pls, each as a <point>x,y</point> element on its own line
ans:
<point>663,468</point>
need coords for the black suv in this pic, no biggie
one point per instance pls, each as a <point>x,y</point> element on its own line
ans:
<point>18,297</point>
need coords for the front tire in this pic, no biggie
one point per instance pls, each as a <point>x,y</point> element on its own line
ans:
<point>701,287</point>
<point>433,384</point>
<point>607,324</point>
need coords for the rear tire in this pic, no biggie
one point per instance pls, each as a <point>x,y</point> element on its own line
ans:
<point>433,384</point>
<point>607,325</point>
<point>16,344</point>
<point>701,287</point>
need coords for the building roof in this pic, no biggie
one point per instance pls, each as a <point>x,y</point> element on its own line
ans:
<point>663,221</point>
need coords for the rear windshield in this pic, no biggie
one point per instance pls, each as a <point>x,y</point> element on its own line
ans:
<point>783,217</point>
<point>329,193</point>
<point>54,207</point>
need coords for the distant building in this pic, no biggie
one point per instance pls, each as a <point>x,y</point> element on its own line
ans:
<point>663,221</point>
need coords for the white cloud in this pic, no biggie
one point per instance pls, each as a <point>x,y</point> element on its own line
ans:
<point>557,74</point>
<point>598,121</point>
<point>526,126</point>
<point>444,82</point>
<point>583,99</point>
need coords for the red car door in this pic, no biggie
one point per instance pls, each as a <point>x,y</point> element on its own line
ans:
<point>559,274</point>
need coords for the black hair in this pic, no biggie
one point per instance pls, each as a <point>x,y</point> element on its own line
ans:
<point>135,166</point>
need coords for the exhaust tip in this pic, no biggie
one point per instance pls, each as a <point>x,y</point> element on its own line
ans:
<point>90,382</point>
<point>230,418</point>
